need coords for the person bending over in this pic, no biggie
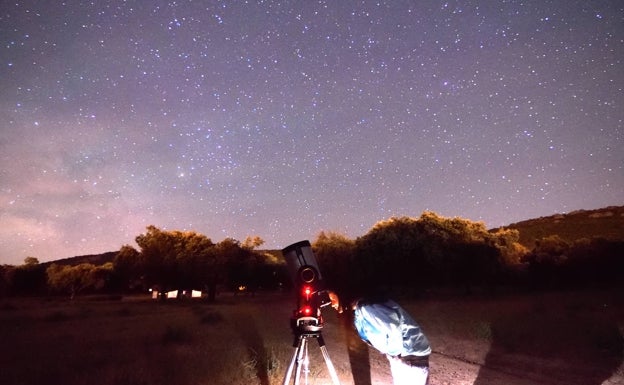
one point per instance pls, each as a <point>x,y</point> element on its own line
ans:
<point>386,326</point>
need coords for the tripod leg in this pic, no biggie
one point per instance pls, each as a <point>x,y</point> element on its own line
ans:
<point>302,356</point>
<point>328,362</point>
<point>296,361</point>
<point>292,364</point>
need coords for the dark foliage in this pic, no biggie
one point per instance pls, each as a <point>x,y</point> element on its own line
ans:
<point>586,262</point>
<point>404,255</point>
<point>407,255</point>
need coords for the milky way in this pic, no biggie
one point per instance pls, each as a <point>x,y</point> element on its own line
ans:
<point>282,119</point>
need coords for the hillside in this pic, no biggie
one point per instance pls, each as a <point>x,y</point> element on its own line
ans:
<point>95,259</point>
<point>605,223</point>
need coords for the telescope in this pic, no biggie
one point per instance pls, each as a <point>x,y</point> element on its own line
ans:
<point>307,320</point>
<point>308,281</point>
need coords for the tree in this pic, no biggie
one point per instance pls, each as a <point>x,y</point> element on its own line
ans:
<point>547,260</point>
<point>392,254</point>
<point>28,278</point>
<point>75,279</point>
<point>405,252</point>
<point>596,261</point>
<point>102,275</point>
<point>6,279</point>
<point>334,253</point>
<point>199,264</point>
<point>239,263</point>
<point>158,257</point>
<point>269,271</point>
<point>551,250</point>
<point>465,253</point>
<point>507,242</point>
<point>175,259</point>
<point>128,267</point>
<point>252,242</point>
<point>31,261</point>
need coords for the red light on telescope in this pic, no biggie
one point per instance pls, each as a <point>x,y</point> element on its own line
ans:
<point>307,291</point>
<point>306,310</point>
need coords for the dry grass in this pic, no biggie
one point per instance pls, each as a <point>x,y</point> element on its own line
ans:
<point>142,341</point>
<point>248,341</point>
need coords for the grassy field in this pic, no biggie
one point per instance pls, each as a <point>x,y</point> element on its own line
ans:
<point>572,338</point>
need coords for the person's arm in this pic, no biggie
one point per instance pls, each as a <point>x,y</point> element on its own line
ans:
<point>335,301</point>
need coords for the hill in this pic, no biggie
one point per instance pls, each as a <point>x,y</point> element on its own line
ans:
<point>607,223</point>
<point>95,259</point>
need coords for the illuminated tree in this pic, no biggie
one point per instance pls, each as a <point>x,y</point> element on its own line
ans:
<point>507,242</point>
<point>75,279</point>
<point>174,259</point>
<point>252,242</point>
<point>407,252</point>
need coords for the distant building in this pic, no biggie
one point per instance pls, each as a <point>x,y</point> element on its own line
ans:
<point>176,294</point>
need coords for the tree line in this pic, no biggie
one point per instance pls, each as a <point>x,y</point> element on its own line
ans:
<point>164,261</point>
<point>406,255</point>
<point>401,254</point>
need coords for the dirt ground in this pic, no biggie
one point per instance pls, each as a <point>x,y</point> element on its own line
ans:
<point>529,341</point>
<point>452,371</point>
<point>572,338</point>
<point>360,365</point>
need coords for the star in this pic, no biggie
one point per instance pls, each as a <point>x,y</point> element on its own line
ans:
<point>284,120</point>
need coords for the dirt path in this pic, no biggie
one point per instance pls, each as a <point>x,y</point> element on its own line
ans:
<point>447,370</point>
<point>489,361</point>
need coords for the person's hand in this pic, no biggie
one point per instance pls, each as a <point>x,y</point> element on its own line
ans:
<point>335,301</point>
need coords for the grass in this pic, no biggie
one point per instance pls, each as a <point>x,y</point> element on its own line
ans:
<point>248,341</point>
<point>137,342</point>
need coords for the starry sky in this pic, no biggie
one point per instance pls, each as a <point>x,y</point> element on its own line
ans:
<point>285,118</point>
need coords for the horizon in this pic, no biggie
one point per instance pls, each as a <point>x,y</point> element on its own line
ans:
<point>312,238</point>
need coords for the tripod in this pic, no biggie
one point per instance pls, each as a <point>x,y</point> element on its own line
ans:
<point>301,361</point>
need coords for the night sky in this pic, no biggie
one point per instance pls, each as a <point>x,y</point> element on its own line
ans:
<point>282,119</point>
